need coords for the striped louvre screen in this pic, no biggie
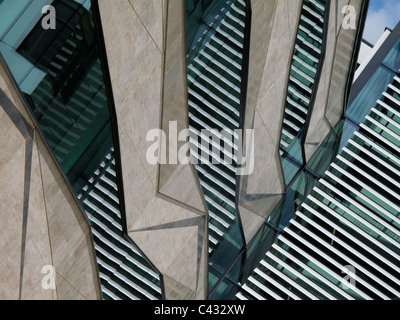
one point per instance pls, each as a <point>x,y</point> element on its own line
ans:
<point>124,272</point>
<point>344,241</point>
<point>214,87</point>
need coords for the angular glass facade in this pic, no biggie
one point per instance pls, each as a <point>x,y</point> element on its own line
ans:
<point>340,214</point>
<point>216,37</point>
<point>345,223</point>
<point>60,75</point>
<point>375,78</point>
<point>335,234</point>
<point>350,220</point>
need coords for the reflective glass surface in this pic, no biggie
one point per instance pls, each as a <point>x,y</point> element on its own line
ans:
<point>331,146</point>
<point>347,220</point>
<point>226,290</point>
<point>341,212</point>
<point>255,250</point>
<point>392,60</point>
<point>59,73</point>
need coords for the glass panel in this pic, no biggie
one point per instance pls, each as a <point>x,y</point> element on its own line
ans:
<point>392,60</point>
<point>290,203</point>
<point>290,168</point>
<point>213,277</point>
<point>63,83</point>
<point>331,146</point>
<point>203,18</point>
<point>250,258</point>
<point>226,290</point>
<point>228,247</point>
<point>361,106</point>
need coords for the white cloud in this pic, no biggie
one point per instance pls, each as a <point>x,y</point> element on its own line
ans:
<point>378,19</point>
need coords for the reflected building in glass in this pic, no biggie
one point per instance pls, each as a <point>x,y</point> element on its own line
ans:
<point>91,95</point>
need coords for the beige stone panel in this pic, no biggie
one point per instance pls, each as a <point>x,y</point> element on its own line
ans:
<point>294,10</point>
<point>340,71</point>
<point>175,178</point>
<point>267,172</point>
<point>136,71</point>
<point>137,78</point>
<point>138,189</point>
<point>330,46</point>
<point>182,187</point>
<point>270,110</point>
<point>11,214</point>
<point>131,51</point>
<point>272,98</point>
<point>150,12</point>
<point>66,290</point>
<point>135,68</point>
<point>8,87</point>
<point>177,291</point>
<point>170,249</point>
<point>259,193</point>
<point>261,190</point>
<point>173,248</point>
<point>261,206</point>
<point>159,212</point>
<point>251,222</point>
<point>11,138</point>
<point>267,176</point>
<point>338,5</point>
<point>139,113</point>
<point>37,250</point>
<point>70,236</point>
<point>184,266</point>
<point>329,104</point>
<point>319,128</point>
<point>10,250</point>
<point>263,14</point>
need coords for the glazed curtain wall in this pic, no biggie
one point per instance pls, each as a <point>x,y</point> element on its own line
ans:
<point>349,221</point>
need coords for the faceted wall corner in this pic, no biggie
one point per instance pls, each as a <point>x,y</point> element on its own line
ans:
<point>48,238</point>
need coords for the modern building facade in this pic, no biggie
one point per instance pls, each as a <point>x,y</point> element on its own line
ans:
<point>197,149</point>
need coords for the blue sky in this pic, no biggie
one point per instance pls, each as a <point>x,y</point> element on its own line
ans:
<point>381,14</point>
